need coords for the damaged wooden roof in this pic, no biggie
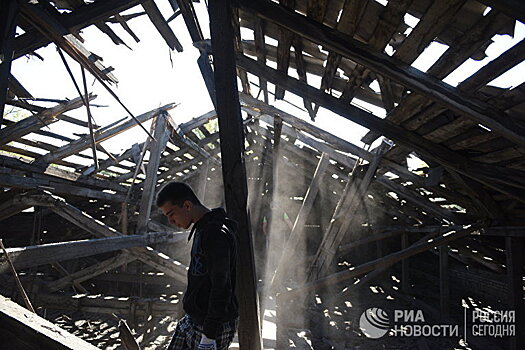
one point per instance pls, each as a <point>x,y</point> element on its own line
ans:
<point>469,138</point>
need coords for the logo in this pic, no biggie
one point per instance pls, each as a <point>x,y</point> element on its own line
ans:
<point>374,323</point>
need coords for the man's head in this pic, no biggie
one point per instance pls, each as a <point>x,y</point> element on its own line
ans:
<point>179,203</point>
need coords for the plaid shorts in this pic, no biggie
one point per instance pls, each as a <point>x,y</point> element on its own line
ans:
<point>188,335</point>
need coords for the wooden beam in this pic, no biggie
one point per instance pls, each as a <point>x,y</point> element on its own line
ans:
<point>58,187</point>
<point>100,136</point>
<point>82,17</point>
<point>351,198</point>
<point>297,230</point>
<point>386,261</point>
<point>444,281</point>
<point>162,26</point>
<point>8,19</point>
<point>103,304</point>
<point>49,26</point>
<point>499,177</point>
<point>512,8</point>
<point>396,70</point>
<point>90,271</point>
<point>36,331</point>
<point>147,255</point>
<point>35,122</point>
<point>233,168</point>
<point>49,253</point>
<point>156,147</point>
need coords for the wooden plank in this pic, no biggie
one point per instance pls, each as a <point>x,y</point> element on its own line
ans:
<point>386,261</point>
<point>423,83</point>
<point>283,49</point>
<point>420,201</point>
<point>56,175</point>
<point>122,306</point>
<point>495,68</point>
<point>512,8</point>
<point>436,19</point>
<point>8,19</point>
<point>301,71</point>
<point>477,194</point>
<point>74,21</point>
<point>162,26</point>
<point>351,198</point>
<point>405,265</point>
<point>90,271</point>
<point>35,122</point>
<point>100,136</point>
<point>30,256</point>
<point>428,149</point>
<point>389,21</point>
<point>127,338</point>
<point>156,147</point>
<point>112,161</point>
<point>260,51</point>
<point>9,180</point>
<point>297,230</point>
<point>154,258</point>
<point>35,330</point>
<point>234,171</point>
<point>467,44</point>
<point>49,26</point>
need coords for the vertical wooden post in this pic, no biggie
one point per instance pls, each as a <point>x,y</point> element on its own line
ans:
<point>234,172</point>
<point>148,191</point>
<point>405,276</point>
<point>281,332</point>
<point>444,287</point>
<point>514,247</point>
<point>8,16</point>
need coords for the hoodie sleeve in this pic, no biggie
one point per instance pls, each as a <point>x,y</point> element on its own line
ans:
<point>220,250</point>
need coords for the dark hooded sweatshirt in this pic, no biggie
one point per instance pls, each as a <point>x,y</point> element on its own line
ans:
<point>210,297</point>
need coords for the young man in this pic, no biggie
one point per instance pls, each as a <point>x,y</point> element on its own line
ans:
<point>209,302</point>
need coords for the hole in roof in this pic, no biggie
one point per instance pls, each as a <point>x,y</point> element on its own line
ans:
<point>382,2</point>
<point>412,21</point>
<point>487,10</point>
<point>500,44</point>
<point>429,56</point>
<point>375,86</point>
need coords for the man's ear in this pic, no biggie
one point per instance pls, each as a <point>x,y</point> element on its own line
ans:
<point>188,204</point>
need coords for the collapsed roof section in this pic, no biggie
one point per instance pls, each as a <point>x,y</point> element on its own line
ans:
<point>331,197</point>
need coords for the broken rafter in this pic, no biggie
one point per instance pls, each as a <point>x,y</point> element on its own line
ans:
<point>30,328</point>
<point>35,122</point>
<point>82,17</point>
<point>162,26</point>
<point>386,261</point>
<point>147,255</point>
<point>495,177</point>
<point>50,27</point>
<point>100,135</point>
<point>156,147</point>
<point>49,253</point>
<point>396,70</point>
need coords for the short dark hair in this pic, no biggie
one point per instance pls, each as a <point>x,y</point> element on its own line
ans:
<point>177,193</point>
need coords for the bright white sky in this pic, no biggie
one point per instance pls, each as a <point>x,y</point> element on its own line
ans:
<point>148,79</point>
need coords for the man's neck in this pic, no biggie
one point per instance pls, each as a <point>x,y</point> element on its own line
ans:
<point>199,212</point>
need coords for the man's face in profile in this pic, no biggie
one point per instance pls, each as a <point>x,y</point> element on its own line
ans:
<point>178,216</point>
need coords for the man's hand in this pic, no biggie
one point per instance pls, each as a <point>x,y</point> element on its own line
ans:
<point>207,343</point>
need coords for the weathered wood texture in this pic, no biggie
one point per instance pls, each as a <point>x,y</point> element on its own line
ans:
<point>48,253</point>
<point>8,18</point>
<point>234,172</point>
<point>36,331</point>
